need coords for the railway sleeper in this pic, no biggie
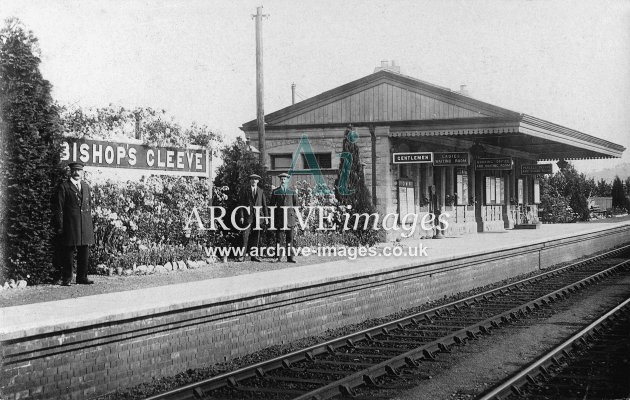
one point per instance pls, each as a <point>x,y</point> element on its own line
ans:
<point>385,349</point>
<point>276,378</point>
<point>252,389</point>
<point>425,337</point>
<point>347,391</point>
<point>414,343</point>
<point>435,328</point>
<point>344,363</point>
<point>316,371</point>
<point>362,355</point>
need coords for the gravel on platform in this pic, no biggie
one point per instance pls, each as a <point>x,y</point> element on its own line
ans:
<point>109,284</point>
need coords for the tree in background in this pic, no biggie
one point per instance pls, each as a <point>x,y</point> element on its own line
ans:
<point>552,200</point>
<point>578,190</point>
<point>567,188</point>
<point>30,159</point>
<point>604,189</point>
<point>155,127</point>
<point>238,164</point>
<point>618,195</point>
<point>627,186</point>
<point>351,190</point>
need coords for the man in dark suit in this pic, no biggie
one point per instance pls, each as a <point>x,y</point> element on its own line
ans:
<point>284,199</point>
<point>254,198</point>
<point>72,210</point>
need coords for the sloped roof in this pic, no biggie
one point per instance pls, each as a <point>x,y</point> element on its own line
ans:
<point>383,96</point>
<point>412,107</point>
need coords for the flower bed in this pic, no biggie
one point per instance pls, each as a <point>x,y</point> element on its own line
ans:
<point>141,223</point>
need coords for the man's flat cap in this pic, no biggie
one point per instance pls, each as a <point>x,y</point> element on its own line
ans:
<point>254,176</point>
<point>284,175</point>
<point>75,165</point>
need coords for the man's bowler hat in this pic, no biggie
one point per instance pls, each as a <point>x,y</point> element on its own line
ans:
<point>75,165</point>
<point>254,176</point>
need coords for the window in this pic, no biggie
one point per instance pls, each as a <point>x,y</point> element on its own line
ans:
<point>323,160</point>
<point>281,161</point>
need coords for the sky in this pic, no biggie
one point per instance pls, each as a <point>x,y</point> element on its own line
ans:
<point>567,62</point>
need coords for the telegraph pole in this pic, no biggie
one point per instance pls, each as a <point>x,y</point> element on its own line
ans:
<point>260,109</point>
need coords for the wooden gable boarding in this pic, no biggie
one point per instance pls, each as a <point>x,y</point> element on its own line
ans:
<point>381,97</point>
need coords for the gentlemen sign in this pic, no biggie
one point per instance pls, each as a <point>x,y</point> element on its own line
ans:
<point>449,159</point>
<point>157,160</point>
<point>536,169</point>
<point>413,158</point>
<point>493,164</point>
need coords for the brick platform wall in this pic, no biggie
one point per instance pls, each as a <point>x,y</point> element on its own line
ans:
<point>96,359</point>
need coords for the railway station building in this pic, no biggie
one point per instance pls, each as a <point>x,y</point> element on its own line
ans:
<point>426,148</point>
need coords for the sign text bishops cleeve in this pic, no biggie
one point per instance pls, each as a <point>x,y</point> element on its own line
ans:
<point>158,160</point>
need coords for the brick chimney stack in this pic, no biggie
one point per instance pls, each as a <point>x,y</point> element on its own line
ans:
<point>463,91</point>
<point>386,66</point>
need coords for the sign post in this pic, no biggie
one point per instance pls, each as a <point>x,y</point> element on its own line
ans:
<point>493,164</point>
<point>536,169</point>
<point>190,161</point>
<point>450,159</point>
<point>413,158</point>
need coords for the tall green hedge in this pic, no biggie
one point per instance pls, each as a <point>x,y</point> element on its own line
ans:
<point>29,161</point>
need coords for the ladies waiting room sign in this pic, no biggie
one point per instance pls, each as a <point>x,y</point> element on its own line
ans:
<point>192,161</point>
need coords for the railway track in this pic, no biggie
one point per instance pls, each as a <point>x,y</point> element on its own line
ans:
<point>593,363</point>
<point>338,366</point>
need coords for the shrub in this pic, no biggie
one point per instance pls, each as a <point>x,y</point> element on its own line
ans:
<point>565,196</point>
<point>29,161</point>
<point>359,200</point>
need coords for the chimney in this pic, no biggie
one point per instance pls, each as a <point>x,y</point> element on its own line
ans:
<point>293,93</point>
<point>463,91</point>
<point>386,66</point>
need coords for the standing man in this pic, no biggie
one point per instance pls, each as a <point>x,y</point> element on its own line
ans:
<point>284,199</point>
<point>72,210</point>
<point>255,205</point>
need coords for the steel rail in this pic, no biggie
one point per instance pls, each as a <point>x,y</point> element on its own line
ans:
<point>540,367</point>
<point>198,389</point>
<point>345,385</point>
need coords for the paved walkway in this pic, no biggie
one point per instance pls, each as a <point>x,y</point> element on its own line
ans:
<point>42,317</point>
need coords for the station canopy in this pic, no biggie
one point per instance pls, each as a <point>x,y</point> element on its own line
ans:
<point>421,111</point>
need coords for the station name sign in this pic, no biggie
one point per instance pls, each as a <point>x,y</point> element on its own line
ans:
<point>449,159</point>
<point>156,160</point>
<point>536,169</point>
<point>493,164</point>
<point>413,158</point>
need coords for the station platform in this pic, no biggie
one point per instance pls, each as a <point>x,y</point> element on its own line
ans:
<point>88,346</point>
